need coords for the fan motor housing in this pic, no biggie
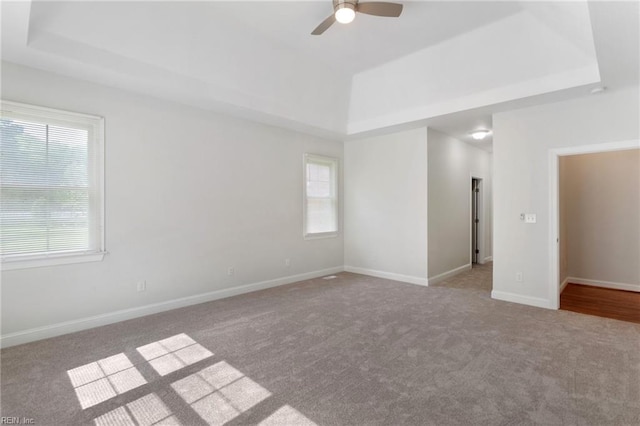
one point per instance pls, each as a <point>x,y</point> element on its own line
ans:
<point>342,4</point>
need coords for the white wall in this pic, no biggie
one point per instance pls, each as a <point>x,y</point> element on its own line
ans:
<point>602,217</point>
<point>386,205</point>
<point>521,144</point>
<point>452,164</point>
<point>188,194</point>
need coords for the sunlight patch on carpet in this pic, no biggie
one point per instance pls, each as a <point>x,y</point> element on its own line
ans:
<point>100,381</point>
<point>286,415</point>
<point>220,393</point>
<point>172,354</point>
<point>148,410</point>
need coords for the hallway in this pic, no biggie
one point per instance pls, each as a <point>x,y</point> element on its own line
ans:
<point>479,278</point>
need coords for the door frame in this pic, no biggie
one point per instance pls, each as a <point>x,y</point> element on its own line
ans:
<point>481,223</point>
<point>554,205</point>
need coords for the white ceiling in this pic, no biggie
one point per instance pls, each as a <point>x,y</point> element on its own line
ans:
<point>447,64</point>
<point>368,42</point>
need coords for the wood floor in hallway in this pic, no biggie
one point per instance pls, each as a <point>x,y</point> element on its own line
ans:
<point>602,302</point>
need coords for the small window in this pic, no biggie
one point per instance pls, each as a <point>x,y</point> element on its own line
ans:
<point>51,186</point>
<point>321,196</point>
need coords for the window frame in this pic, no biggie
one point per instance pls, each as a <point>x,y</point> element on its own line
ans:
<point>95,126</point>
<point>335,176</point>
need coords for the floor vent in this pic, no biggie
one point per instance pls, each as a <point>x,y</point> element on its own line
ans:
<point>329,277</point>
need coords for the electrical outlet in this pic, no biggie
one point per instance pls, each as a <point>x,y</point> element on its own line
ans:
<point>287,262</point>
<point>530,218</point>
<point>519,277</point>
<point>231,271</point>
<point>141,285</point>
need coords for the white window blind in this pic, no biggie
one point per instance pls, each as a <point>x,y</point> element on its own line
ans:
<point>321,196</point>
<point>51,183</point>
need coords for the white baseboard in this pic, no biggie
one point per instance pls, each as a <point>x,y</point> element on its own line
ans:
<point>388,275</point>
<point>441,277</point>
<point>488,259</point>
<point>66,327</point>
<point>605,284</point>
<point>523,300</point>
<point>563,284</point>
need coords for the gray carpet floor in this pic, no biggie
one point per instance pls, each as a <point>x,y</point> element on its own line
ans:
<point>354,350</point>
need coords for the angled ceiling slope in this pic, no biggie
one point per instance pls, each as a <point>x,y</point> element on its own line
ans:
<point>542,48</point>
<point>258,60</point>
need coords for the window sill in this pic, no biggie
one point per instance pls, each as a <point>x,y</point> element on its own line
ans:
<point>38,261</point>
<point>320,236</point>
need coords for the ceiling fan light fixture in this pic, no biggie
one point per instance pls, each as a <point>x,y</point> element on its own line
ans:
<point>345,12</point>
<point>479,134</point>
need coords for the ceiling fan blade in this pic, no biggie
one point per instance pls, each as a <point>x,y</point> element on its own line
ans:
<point>324,25</point>
<point>380,8</point>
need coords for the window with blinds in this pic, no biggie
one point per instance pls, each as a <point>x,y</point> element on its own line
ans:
<point>321,196</point>
<point>51,183</point>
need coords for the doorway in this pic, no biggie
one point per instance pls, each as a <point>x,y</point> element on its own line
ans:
<point>599,200</point>
<point>555,268</point>
<point>475,219</point>
<point>476,208</point>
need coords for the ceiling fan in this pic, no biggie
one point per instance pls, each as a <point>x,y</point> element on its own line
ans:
<point>345,11</point>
